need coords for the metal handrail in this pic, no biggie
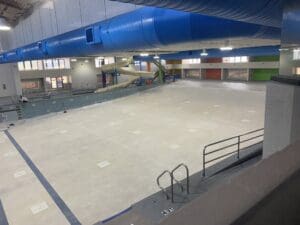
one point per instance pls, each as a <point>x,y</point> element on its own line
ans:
<point>187,180</point>
<point>238,143</point>
<point>159,185</point>
<point>172,179</point>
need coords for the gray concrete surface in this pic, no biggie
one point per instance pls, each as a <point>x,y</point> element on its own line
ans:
<point>282,125</point>
<point>281,207</point>
<point>227,202</point>
<point>105,157</point>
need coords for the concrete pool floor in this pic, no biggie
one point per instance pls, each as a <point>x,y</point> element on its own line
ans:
<point>103,158</point>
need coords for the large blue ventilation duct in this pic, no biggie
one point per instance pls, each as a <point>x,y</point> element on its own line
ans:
<point>264,12</point>
<point>144,29</point>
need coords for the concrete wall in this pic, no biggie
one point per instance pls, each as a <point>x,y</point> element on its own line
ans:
<point>231,71</point>
<point>290,37</point>
<point>287,64</point>
<point>9,78</point>
<point>226,202</point>
<point>84,75</point>
<point>279,116</point>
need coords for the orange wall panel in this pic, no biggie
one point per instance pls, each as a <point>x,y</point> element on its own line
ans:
<point>213,74</point>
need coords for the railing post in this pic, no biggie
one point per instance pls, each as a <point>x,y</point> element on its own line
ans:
<point>239,143</point>
<point>203,171</point>
<point>178,182</point>
<point>172,187</point>
<point>187,181</point>
<point>158,183</point>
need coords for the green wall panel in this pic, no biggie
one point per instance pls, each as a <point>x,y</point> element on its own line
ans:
<point>263,74</point>
<point>265,59</point>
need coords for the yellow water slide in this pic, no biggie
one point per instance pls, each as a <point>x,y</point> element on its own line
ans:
<point>124,68</point>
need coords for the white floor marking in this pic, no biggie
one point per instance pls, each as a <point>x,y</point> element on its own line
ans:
<point>251,111</point>
<point>35,209</point>
<point>9,154</point>
<point>136,132</point>
<point>63,131</point>
<point>217,106</point>
<point>112,124</point>
<point>84,147</point>
<point>187,102</point>
<point>103,164</point>
<point>174,146</point>
<point>132,114</point>
<point>20,174</point>
<point>205,113</point>
<point>246,121</point>
<point>192,130</point>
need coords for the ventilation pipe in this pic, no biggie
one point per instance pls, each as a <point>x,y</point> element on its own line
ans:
<point>141,30</point>
<point>263,12</point>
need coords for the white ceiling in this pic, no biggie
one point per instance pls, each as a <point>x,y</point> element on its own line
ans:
<point>13,10</point>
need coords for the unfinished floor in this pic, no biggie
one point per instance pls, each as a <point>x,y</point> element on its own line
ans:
<point>103,158</point>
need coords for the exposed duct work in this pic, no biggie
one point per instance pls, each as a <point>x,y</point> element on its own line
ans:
<point>264,12</point>
<point>143,29</point>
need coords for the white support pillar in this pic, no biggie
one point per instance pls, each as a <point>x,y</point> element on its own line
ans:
<point>282,122</point>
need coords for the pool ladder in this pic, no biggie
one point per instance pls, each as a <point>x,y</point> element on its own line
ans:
<point>174,180</point>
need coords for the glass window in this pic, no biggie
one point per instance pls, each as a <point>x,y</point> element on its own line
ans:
<point>30,84</point>
<point>40,65</point>
<point>55,63</point>
<point>21,66</point>
<point>59,81</point>
<point>62,63</point>
<point>65,79</point>
<point>297,70</point>
<point>53,83</point>
<point>48,64</point>
<point>99,62</point>
<point>27,65</point>
<point>238,59</point>
<point>67,63</point>
<point>34,65</point>
<point>48,80</point>
<point>191,61</point>
<point>244,59</point>
<point>296,54</point>
<point>109,60</point>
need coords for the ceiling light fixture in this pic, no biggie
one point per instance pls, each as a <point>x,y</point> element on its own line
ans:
<point>156,57</point>
<point>144,54</point>
<point>283,49</point>
<point>73,60</point>
<point>204,53</point>
<point>226,48</point>
<point>4,25</point>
